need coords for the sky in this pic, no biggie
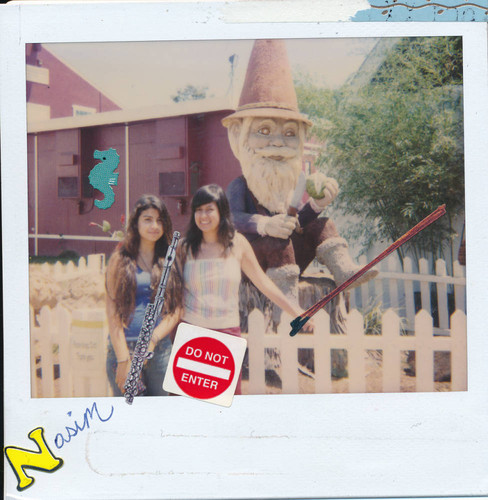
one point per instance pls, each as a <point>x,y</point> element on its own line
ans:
<point>139,74</point>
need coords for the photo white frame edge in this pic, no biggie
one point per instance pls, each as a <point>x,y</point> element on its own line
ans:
<point>363,445</point>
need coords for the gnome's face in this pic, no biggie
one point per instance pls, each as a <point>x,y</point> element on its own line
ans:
<point>270,153</point>
<point>274,138</point>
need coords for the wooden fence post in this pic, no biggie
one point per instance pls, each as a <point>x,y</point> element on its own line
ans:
<point>364,288</point>
<point>70,269</point>
<point>459,290</point>
<point>96,262</point>
<point>88,352</point>
<point>458,352</point>
<point>34,343</point>
<point>62,338</point>
<point>82,265</point>
<point>46,351</point>
<point>378,287</point>
<point>425,285</point>
<point>289,356</point>
<point>393,266</point>
<point>323,380</point>
<point>440,270</point>
<point>408,288</point>
<point>58,270</point>
<point>46,268</point>
<point>255,345</point>
<point>356,352</point>
<point>390,330</point>
<point>424,355</point>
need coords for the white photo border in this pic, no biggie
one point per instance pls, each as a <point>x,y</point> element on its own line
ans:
<point>300,446</point>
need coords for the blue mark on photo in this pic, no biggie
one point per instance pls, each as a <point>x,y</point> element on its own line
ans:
<point>424,10</point>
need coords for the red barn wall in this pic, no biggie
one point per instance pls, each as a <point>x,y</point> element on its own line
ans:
<point>156,147</point>
<point>161,146</point>
<point>65,86</point>
<point>103,138</point>
<point>31,185</point>
<point>222,166</point>
<point>71,216</point>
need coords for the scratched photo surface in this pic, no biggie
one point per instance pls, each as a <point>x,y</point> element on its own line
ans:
<point>109,122</point>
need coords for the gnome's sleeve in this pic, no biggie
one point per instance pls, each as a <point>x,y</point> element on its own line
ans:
<point>244,212</point>
<point>308,213</point>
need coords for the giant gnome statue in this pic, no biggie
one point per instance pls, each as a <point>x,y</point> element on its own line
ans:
<point>267,135</point>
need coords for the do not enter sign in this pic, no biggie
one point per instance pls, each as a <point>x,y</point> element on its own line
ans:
<point>204,364</point>
<point>204,368</point>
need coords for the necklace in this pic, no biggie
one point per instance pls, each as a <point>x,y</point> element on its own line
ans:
<point>145,267</point>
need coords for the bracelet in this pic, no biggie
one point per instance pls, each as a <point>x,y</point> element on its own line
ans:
<point>123,361</point>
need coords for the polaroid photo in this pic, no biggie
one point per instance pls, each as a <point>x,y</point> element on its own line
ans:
<point>288,156</point>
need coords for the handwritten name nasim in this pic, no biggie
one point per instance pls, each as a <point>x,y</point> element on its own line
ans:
<point>71,432</point>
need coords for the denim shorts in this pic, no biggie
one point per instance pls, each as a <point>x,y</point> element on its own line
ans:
<point>152,373</point>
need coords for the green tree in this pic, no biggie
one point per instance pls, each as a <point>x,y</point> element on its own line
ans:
<point>396,144</point>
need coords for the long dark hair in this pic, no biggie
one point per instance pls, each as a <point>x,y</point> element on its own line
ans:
<point>208,194</point>
<point>125,257</point>
<point>132,240</point>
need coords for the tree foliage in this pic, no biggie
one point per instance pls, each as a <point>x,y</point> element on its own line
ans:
<point>422,63</point>
<point>396,144</point>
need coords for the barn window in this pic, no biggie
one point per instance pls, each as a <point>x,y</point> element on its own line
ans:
<point>68,187</point>
<point>172,184</point>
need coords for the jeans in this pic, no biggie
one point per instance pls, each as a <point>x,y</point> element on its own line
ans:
<point>153,372</point>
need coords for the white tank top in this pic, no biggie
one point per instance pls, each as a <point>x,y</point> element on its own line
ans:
<point>211,293</point>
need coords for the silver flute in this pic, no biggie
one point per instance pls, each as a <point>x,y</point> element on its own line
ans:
<point>133,384</point>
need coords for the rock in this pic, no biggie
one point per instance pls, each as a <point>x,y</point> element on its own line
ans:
<point>43,290</point>
<point>84,291</point>
<point>75,292</point>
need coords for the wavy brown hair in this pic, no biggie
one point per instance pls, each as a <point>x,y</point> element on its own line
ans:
<point>122,265</point>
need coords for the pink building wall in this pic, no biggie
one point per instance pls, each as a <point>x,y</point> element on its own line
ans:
<point>65,86</point>
<point>155,146</point>
<point>225,166</point>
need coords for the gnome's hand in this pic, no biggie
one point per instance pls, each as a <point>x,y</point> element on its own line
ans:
<point>280,226</point>
<point>322,189</point>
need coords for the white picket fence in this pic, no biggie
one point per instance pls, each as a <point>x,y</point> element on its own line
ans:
<point>94,263</point>
<point>390,342</point>
<point>80,341</point>
<point>75,344</point>
<point>69,350</point>
<point>396,289</point>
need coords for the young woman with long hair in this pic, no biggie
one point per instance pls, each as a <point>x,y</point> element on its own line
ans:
<point>133,275</point>
<point>213,255</point>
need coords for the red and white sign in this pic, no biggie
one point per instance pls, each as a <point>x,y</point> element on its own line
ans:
<point>203,368</point>
<point>204,364</point>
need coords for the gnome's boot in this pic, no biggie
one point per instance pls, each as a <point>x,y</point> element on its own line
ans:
<point>286,279</point>
<point>334,254</point>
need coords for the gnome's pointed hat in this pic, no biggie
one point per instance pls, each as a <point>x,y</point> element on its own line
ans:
<point>268,88</point>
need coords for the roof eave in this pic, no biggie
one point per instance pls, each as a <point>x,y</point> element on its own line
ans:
<point>131,115</point>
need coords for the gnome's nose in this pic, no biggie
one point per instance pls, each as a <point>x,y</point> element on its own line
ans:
<point>277,140</point>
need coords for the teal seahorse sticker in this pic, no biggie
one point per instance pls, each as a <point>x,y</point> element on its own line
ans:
<point>102,176</point>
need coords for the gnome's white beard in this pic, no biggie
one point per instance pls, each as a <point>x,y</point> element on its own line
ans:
<point>271,181</point>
